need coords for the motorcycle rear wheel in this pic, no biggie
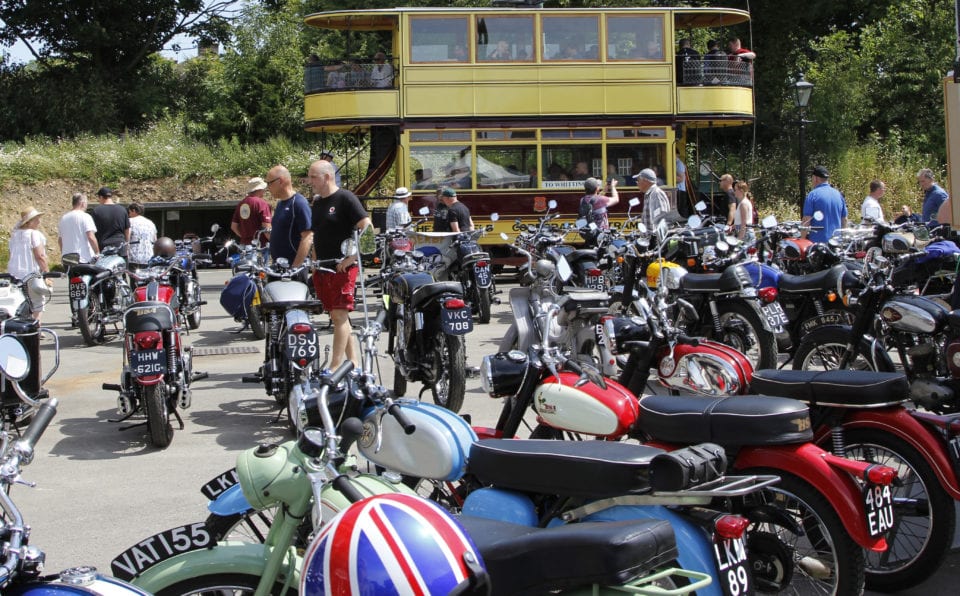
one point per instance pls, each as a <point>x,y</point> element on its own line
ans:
<point>194,318</point>
<point>451,386</point>
<point>158,416</point>
<point>236,584</point>
<point>256,323</point>
<point>830,347</point>
<point>756,343</point>
<point>90,321</point>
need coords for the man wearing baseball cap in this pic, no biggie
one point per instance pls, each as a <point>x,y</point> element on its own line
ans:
<point>112,221</point>
<point>451,215</point>
<point>656,205</point>
<point>827,200</point>
<point>252,214</point>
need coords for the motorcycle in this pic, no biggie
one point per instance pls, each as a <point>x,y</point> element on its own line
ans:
<point>99,293</point>
<point>241,295</point>
<point>17,296</point>
<point>14,411</point>
<point>157,367</point>
<point>22,565</point>
<point>187,284</point>
<point>468,264</point>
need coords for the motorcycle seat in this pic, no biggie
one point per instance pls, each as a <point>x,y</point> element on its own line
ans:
<point>428,291</point>
<point>403,286</point>
<point>313,306</point>
<point>87,269</point>
<point>841,388</point>
<point>524,559</point>
<point>727,281</point>
<point>591,469</point>
<point>581,254</point>
<point>728,421</point>
<point>812,282</point>
<point>149,315</point>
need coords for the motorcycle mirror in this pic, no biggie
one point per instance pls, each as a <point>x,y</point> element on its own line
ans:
<point>634,201</point>
<point>214,228</point>
<point>503,236</point>
<point>494,216</point>
<point>14,360</point>
<point>769,221</point>
<point>367,241</point>
<point>424,211</point>
<point>694,221</point>
<point>348,247</point>
<point>563,269</point>
<point>700,206</point>
<point>552,204</point>
<point>818,215</point>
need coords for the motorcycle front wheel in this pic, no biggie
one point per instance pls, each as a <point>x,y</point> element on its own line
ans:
<point>219,584</point>
<point>825,349</point>
<point>484,305</point>
<point>90,321</point>
<point>256,323</point>
<point>451,385</point>
<point>158,417</point>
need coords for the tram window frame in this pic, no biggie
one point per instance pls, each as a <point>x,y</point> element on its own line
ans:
<point>448,28</point>
<point>514,36</point>
<point>442,175</point>
<point>486,151</point>
<point>578,31</point>
<point>614,32</point>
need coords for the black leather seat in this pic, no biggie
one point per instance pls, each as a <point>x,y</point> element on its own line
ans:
<point>86,269</point>
<point>812,282</point>
<point>844,388</point>
<point>727,281</point>
<point>581,254</point>
<point>728,421</point>
<point>403,286</point>
<point>591,469</point>
<point>428,291</point>
<point>522,559</point>
<point>149,316</point>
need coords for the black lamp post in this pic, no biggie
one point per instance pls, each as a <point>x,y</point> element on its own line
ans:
<point>801,96</point>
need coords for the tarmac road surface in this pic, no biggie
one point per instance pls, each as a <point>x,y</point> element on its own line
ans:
<point>100,490</point>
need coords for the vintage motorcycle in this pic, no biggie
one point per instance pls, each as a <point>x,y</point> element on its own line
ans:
<point>21,565</point>
<point>157,367</point>
<point>17,296</point>
<point>99,293</point>
<point>241,295</point>
<point>186,282</point>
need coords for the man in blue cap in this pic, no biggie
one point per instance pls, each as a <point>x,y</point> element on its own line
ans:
<point>826,200</point>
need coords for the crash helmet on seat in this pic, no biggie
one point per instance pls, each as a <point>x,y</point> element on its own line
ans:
<point>164,247</point>
<point>390,544</point>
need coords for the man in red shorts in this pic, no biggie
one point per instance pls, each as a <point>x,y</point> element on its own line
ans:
<point>337,212</point>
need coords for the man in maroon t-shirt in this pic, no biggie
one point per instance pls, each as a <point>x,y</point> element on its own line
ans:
<point>252,214</point>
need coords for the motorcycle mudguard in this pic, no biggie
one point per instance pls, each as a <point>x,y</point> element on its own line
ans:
<point>226,557</point>
<point>870,348</point>
<point>804,461</point>
<point>522,331</point>
<point>900,423</point>
<point>230,502</point>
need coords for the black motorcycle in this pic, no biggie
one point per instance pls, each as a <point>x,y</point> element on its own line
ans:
<point>99,294</point>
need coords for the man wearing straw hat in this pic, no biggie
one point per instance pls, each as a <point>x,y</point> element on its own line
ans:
<point>28,255</point>
<point>252,214</point>
<point>397,213</point>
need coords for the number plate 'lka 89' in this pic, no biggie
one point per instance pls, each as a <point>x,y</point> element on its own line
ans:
<point>456,321</point>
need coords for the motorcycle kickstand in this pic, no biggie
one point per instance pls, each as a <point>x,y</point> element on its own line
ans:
<point>118,420</point>
<point>198,376</point>
<point>176,414</point>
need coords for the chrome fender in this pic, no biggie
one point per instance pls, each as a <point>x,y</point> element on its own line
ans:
<point>522,332</point>
<point>226,557</point>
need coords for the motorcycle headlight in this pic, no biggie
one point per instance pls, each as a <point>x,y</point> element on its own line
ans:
<point>672,276</point>
<point>502,374</point>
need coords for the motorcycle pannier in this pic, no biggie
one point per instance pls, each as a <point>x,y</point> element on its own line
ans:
<point>237,296</point>
<point>687,468</point>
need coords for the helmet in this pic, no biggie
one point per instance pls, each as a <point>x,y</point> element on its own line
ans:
<point>164,247</point>
<point>390,543</point>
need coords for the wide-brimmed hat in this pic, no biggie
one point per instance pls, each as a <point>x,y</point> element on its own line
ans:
<point>26,215</point>
<point>402,193</point>
<point>255,184</point>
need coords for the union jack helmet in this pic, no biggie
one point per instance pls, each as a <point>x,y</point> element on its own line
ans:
<point>391,544</point>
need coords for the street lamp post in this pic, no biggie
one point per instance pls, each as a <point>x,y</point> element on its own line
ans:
<point>801,96</point>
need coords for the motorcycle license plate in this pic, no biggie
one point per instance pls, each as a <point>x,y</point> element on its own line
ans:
<point>456,321</point>
<point>160,547</point>
<point>78,290</point>
<point>731,557</point>
<point>595,282</point>
<point>303,346</point>
<point>215,487</point>
<point>776,318</point>
<point>878,501</point>
<point>483,275</point>
<point>148,362</point>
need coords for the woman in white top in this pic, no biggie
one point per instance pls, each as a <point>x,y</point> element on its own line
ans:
<point>743,216</point>
<point>144,232</point>
<point>28,254</point>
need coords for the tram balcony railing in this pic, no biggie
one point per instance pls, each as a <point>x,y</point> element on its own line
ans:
<point>339,75</point>
<point>716,72</point>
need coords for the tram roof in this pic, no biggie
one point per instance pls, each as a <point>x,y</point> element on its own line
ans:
<point>386,18</point>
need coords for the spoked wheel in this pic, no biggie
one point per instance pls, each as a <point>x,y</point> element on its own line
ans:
<point>256,323</point>
<point>90,321</point>
<point>451,386</point>
<point>158,416</point>
<point>823,556</point>
<point>741,328</point>
<point>924,514</point>
<point>219,584</point>
<point>828,350</point>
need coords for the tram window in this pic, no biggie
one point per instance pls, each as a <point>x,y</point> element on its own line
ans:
<point>567,166</point>
<point>511,166</point>
<point>635,37</point>
<point>625,161</point>
<point>572,133</point>
<point>505,38</point>
<point>631,133</point>
<point>438,39</point>
<point>570,38</point>
<point>446,166</point>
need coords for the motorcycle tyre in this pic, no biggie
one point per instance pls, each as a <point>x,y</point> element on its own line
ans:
<point>90,321</point>
<point>767,340</point>
<point>220,583</point>
<point>942,527</point>
<point>399,383</point>
<point>483,317</point>
<point>455,367</point>
<point>837,338</point>
<point>849,556</point>
<point>194,318</point>
<point>158,418</point>
<point>256,323</point>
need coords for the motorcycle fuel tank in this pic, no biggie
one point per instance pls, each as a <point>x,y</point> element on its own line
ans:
<point>438,449</point>
<point>914,314</point>
<point>112,262</point>
<point>589,408</point>
<point>709,368</point>
<point>285,291</point>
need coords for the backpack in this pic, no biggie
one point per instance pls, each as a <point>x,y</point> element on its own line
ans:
<point>585,210</point>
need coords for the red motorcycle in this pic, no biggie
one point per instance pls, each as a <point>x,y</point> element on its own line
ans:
<point>808,531</point>
<point>157,367</point>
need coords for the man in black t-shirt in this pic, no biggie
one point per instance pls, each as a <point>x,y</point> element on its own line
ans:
<point>336,213</point>
<point>112,221</point>
<point>453,216</point>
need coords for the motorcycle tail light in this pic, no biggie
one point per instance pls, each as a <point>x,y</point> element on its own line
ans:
<point>881,475</point>
<point>376,261</point>
<point>147,340</point>
<point>752,250</point>
<point>594,272</point>
<point>300,328</point>
<point>729,527</point>
<point>454,303</point>
<point>768,295</point>
<point>691,262</point>
<point>874,473</point>
<point>75,280</point>
<point>482,263</point>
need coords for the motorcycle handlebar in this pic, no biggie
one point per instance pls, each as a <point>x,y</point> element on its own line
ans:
<point>396,411</point>
<point>338,375</point>
<point>688,340</point>
<point>41,420</point>
<point>342,484</point>
<point>381,317</point>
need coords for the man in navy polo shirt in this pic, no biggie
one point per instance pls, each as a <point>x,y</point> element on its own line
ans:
<point>933,195</point>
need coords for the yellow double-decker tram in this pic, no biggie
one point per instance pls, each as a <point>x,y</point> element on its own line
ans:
<point>514,107</point>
